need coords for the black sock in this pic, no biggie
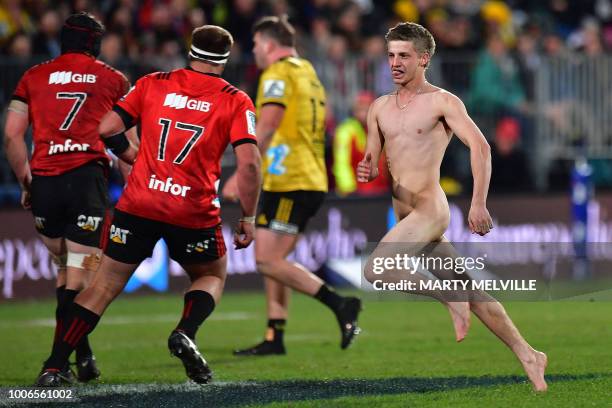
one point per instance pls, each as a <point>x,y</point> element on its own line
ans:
<point>59,310</point>
<point>198,306</point>
<point>276,329</point>
<point>83,349</point>
<point>329,297</point>
<point>78,322</point>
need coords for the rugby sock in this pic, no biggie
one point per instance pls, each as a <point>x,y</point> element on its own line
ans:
<point>83,350</point>
<point>59,310</point>
<point>78,322</point>
<point>198,306</point>
<point>329,297</point>
<point>276,329</point>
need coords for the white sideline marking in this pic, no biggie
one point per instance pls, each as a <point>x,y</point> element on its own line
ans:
<point>134,319</point>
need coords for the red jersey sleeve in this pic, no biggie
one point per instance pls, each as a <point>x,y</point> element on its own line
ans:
<point>129,107</point>
<point>124,86</point>
<point>243,125</point>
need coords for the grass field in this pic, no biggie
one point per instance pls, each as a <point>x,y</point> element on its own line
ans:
<point>405,356</point>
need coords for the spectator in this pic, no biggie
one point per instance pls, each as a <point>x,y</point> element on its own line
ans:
<point>510,171</point>
<point>496,86</point>
<point>349,148</point>
<point>20,47</point>
<point>46,41</point>
<point>13,19</point>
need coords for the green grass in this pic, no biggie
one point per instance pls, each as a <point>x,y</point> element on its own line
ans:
<point>406,356</point>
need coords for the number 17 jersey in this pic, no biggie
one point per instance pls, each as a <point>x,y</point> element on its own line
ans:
<point>187,119</point>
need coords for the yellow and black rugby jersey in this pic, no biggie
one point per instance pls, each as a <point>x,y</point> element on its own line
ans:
<point>295,159</point>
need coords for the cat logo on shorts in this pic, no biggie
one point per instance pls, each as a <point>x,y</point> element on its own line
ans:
<point>118,235</point>
<point>39,222</point>
<point>88,223</point>
<point>198,246</point>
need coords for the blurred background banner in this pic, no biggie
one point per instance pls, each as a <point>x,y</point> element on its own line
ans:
<point>534,75</point>
<point>332,245</point>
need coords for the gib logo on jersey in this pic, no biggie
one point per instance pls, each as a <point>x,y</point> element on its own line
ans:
<point>177,101</point>
<point>66,77</point>
<point>168,186</point>
<point>67,146</point>
<point>88,223</point>
<point>118,235</point>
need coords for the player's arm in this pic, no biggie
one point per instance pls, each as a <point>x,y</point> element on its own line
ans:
<point>112,132</point>
<point>125,168</point>
<point>463,126</point>
<point>17,122</point>
<point>270,118</point>
<point>367,169</point>
<point>248,177</point>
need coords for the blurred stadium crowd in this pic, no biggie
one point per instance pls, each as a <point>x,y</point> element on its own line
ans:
<point>533,74</point>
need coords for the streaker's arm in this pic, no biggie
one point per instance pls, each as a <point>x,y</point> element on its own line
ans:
<point>463,126</point>
<point>15,128</point>
<point>367,169</point>
<point>111,130</point>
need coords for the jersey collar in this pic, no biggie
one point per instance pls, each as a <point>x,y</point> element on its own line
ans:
<point>203,73</point>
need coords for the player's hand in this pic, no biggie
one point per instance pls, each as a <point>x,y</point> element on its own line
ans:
<point>479,220</point>
<point>26,198</point>
<point>230,189</point>
<point>365,171</point>
<point>244,234</point>
<point>26,201</point>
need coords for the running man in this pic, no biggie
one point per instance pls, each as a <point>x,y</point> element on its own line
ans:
<point>65,183</point>
<point>415,125</point>
<point>290,130</point>
<point>187,118</point>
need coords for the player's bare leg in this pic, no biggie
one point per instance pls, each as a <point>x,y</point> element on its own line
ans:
<point>277,299</point>
<point>277,306</point>
<point>204,293</point>
<point>84,314</point>
<point>57,249</point>
<point>108,282</point>
<point>413,233</point>
<point>82,262</point>
<point>271,250</point>
<point>494,316</point>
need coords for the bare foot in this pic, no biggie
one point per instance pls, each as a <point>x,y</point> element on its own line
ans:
<point>535,368</point>
<point>460,313</point>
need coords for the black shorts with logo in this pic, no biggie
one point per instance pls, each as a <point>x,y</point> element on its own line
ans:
<point>130,239</point>
<point>71,205</point>
<point>288,212</point>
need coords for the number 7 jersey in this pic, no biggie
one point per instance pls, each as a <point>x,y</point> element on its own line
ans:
<point>66,99</point>
<point>187,119</point>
